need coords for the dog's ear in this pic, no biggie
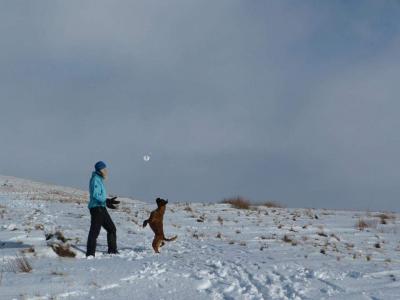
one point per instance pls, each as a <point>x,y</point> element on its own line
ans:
<point>166,201</point>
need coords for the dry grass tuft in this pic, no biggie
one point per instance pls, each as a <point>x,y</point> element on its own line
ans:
<point>2,211</point>
<point>201,218</point>
<point>22,264</point>
<point>58,235</point>
<point>197,235</point>
<point>19,264</point>
<point>39,227</point>
<point>273,204</point>
<point>63,250</point>
<point>56,273</point>
<point>28,250</point>
<point>287,239</point>
<point>188,208</point>
<point>58,242</point>
<point>238,202</point>
<point>385,217</point>
<point>321,233</point>
<point>363,224</point>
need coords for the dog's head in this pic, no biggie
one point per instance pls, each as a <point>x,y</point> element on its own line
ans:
<point>161,202</point>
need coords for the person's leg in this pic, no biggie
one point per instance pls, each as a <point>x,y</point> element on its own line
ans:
<point>108,225</point>
<point>96,219</point>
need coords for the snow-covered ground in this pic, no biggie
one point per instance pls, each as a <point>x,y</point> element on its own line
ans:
<point>221,252</point>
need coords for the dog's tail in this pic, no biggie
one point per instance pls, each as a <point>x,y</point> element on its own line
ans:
<point>145,223</point>
<point>170,239</point>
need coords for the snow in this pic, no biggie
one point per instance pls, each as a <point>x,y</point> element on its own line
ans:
<point>221,252</point>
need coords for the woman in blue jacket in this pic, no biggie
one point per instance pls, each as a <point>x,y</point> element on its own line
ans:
<point>98,211</point>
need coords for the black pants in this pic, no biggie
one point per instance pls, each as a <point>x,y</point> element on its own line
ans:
<point>99,218</point>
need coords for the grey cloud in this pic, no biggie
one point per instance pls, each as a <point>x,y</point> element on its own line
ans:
<point>286,101</point>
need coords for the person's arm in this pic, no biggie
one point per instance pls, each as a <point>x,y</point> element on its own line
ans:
<point>98,191</point>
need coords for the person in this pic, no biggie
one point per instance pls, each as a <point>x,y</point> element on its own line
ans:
<point>98,211</point>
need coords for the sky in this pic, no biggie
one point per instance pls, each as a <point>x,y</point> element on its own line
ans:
<point>289,101</point>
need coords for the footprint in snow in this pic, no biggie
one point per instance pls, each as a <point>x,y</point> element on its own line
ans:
<point>204,284</point>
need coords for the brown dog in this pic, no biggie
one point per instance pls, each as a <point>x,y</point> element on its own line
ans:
<point>156,224</point>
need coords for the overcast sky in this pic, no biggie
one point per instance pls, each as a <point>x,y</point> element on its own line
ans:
<point>292,101</point>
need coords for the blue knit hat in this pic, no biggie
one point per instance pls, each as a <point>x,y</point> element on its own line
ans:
<point>100,165</point>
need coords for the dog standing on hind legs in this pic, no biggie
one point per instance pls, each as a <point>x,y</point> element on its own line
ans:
<point>156,224</point>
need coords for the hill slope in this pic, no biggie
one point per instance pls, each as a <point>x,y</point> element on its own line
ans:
<point>220,253</point>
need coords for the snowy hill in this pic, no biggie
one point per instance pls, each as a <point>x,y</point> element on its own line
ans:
<point>221,252</point>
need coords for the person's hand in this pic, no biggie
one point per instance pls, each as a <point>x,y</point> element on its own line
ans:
<point>111,202</point>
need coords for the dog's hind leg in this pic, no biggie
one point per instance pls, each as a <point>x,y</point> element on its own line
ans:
<point>156,244</point>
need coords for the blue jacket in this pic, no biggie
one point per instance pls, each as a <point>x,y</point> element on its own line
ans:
<point>97,191</point>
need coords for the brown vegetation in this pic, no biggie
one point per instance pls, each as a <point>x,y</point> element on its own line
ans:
<point>273,204</point>
<point>237,202</point>
<point>188,208</point>
<point>385,217</point>
<point>363,224</point>
<point>63,250</point>
<point>19,264</point>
